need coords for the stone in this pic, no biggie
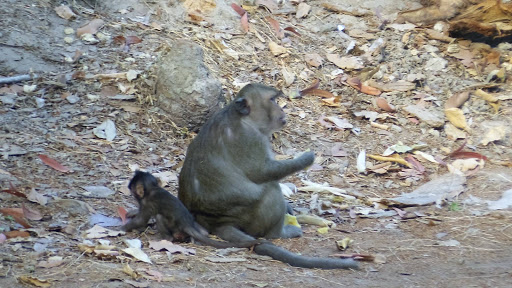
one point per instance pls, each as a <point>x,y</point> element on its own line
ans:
<point>185,88</point>
<point>430,116</point>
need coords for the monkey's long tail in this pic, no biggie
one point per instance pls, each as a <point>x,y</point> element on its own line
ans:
<point>281,254</point>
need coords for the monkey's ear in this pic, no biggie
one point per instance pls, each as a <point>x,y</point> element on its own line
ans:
<point>159,182</point>
<point>242,106</point>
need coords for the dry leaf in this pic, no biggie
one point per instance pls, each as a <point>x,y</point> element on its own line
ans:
<point>464,165</point>
<point>456,117</point>
<point>138,254</point>
<point>430,116</point>
<point>195,17</point>
<point>415,163</point>
<point>436,35</point>
<point>343,244</point>
<point>130,272</point>
<point>381,168</point>
<point>154,275</point>
<point>106,130</point>
<point>275,25</point>
<point>486,96</point>
<point>291,29</point>
<point>100,232</point>
<point>17,214</point>
<point>494,134</point>
<point>129,40</point>
<point>97,191</point>
<point>393,158</point>
<point>30,280</point>
<point>37,198</point>
<point>238,9</point>
<point>313,86</point>
<point>171,247</point>
<point>322,188</point>
<point>339,124</point>
<point>288,76</point>
<point>379,126</point>
<point>16,233</point>
<point>275,49</point>
<point>355,83</point>
<point>286,189</point>
<point>323,230</point>
<point>244,21</point>
<point>91,28</point>
<point>467,154</point>
<point>453,133</point>
<point>119,39</point>
<point>12,190</point>
<point>53,261</point>
<point>380,259</point>
<point>358,33</point>
<point>370,115</point>
<point>122,213</point>
<point>346,62</point>
<point>302,10</point>
<point>131,74</point>
<point>400,85</point>
<point>384,105</point>
<point>317,92</point>
<point>314,220</point>
<point>31,213</point>
<point>456,100</point>
<point>314,59</point>
<point>53,163</point>
<point>270,4</point>
<point>332,102</point>
<point>64,12</point>
<point>458,153</point>
<point>156,26</point>
<point>29,88</point>
<point>466,57</point>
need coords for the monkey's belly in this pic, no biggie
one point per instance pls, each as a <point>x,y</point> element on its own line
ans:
<point>268,215</point>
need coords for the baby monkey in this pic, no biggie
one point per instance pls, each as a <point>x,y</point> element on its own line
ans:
<point>173,220</point>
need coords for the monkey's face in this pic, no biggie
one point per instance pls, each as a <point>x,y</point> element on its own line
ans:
<point>141,183</point>
<point>261,108</point>
<point>272,117</point>
<point>137,190</point>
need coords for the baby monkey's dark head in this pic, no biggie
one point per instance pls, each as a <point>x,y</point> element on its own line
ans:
<point>141,183</point>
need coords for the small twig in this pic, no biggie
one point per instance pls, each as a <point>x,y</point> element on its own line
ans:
<point>19,78</point>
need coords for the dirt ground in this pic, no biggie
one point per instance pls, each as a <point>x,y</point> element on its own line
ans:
<point>461,242</point>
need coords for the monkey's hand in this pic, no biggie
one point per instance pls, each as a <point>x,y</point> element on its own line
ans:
<point>124,228</point>
<point>132,213</point>
<point>305,158</point>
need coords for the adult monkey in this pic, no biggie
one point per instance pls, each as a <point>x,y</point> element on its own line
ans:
<point>229,180</point>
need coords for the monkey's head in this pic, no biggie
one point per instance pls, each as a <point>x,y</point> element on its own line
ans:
<point>256,104</point>
<point>141,183</point>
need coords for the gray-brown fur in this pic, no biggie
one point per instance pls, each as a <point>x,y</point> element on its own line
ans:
<point>229,180</point>
<point>172,218</point>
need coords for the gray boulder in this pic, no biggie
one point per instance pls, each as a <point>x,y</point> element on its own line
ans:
<point>185,88</point>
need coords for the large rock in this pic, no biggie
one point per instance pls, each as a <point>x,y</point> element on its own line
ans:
<point>185,89</point>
